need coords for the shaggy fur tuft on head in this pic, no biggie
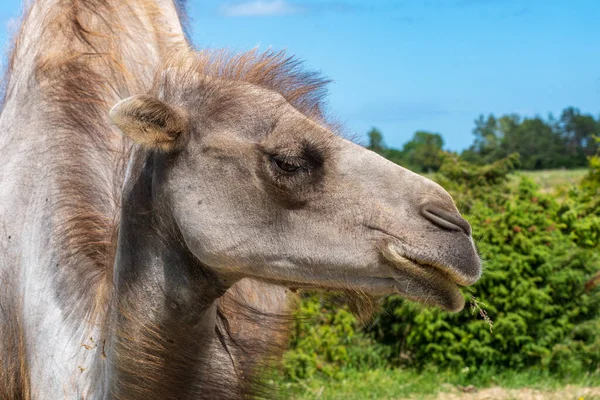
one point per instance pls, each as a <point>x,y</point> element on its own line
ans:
<point>274,71</point>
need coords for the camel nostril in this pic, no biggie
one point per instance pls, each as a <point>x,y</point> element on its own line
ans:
<point>445,219</point>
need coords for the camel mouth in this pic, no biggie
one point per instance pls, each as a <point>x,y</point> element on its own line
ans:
<point>445,271</point>
<point>427,283</point>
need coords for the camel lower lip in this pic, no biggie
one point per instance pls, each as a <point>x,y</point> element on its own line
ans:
<point>443,271</point>
<point>425,283</point>
<point>448,272</point>
<point>445,294</point>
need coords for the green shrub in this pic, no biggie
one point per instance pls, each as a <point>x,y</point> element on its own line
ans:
<point>591,183</point>
<point>326,340</point>
<point>538,255</point>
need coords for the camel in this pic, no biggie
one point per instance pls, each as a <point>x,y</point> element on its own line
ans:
<point>156,202</point>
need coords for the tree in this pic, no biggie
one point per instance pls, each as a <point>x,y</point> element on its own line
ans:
<point>542,144</point>
<point>421,154</point>
<point>536,141</point>
<point>486,146</point>
<point>376,141</point>
<point>578,132</point>
<point>423,151</point>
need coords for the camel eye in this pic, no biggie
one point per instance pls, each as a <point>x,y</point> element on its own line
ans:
<point>288,166</point>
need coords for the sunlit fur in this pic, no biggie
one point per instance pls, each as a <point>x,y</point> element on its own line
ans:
<point>72,61</point>
<point>80,67</point>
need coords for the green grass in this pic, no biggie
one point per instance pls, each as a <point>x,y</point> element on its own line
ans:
<point>408,383</point>
<point>375,384</point>
<point>555,180</point>
<point>550,180</point>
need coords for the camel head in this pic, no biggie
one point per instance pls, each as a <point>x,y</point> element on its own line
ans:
<point>259,186</point>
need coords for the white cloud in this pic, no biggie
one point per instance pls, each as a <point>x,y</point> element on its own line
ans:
<point>260,8</point>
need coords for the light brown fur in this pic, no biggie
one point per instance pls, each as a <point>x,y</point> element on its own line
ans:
<point>240,184</point>
<point>78,73</point>
<point>14,370</point>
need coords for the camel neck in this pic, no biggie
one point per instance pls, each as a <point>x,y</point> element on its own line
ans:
<point>163,319</point>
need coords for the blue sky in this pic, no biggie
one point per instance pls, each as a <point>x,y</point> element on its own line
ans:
<point>419,64</point>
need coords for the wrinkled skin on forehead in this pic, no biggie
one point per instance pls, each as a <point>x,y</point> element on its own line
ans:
<point>258,189</point>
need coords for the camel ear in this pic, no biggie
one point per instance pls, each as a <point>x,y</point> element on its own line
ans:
<point>150,122</point>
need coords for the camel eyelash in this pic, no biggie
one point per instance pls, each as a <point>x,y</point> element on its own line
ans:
<point>290,165</point>
<point>312,155</point>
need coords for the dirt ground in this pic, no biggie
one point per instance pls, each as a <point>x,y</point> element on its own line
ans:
<point>496,393</point>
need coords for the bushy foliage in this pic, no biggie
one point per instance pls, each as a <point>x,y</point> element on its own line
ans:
<point>326,340</point>
<point>581,211</point>
<point>591,183</point>
<point>539,255</point>
<point>483,185</point>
